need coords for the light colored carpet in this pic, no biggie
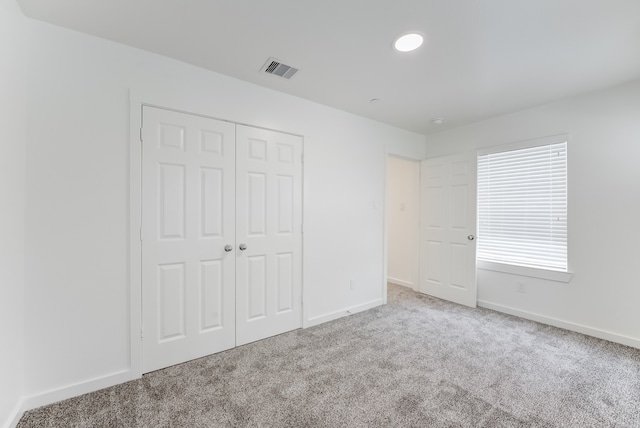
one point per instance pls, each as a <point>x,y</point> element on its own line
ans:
<point>416,362</point>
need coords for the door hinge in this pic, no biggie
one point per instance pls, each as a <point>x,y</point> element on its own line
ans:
<point>141,333</point>
<point>141,135</point>
<point>140,234</point>
<point>302,157</point>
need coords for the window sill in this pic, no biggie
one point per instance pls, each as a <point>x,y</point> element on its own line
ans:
<point>551,275</point>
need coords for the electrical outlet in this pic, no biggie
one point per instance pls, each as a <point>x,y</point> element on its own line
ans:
<point>352,284</point>
<point>520,287</point>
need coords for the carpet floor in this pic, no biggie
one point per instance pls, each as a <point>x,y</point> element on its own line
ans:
<point>415,362</point>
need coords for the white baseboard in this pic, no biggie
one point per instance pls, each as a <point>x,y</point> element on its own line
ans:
<point>400,282</point>
<point>578,328</point>
<point>342,313</point>
<point>364,306</point>
<point>14,416</point>
<point>321,319</point>
<point>73,390</point>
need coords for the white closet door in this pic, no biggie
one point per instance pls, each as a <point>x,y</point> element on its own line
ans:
<point>188,278</point>
<point>269,224</point>
<point>448,225</point>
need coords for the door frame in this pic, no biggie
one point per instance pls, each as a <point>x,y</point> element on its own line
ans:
<point>138,100</point>
<point>385,229</point>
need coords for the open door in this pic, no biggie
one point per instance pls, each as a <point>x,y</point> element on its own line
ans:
<point>448,228</point>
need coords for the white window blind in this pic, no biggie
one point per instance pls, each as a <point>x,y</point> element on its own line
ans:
<point>522,207</point>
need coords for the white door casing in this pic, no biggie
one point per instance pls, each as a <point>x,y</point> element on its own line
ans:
<point>448,228</point>
<point>188,216</point>
<point>269,223</point>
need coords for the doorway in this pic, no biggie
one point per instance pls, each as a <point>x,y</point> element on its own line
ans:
<point>403,221</point>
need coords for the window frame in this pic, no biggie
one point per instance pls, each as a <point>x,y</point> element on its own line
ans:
<point>514,269</point>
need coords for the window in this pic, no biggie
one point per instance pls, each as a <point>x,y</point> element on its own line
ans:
<point>522,205</point>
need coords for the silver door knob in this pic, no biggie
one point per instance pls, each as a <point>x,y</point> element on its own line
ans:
<point>228,248</point>
<point>471,237</point>
<point>242,247</point>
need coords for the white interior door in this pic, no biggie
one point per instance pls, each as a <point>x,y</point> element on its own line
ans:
<point>268,233</point>
<point>188,216</point>
<point>448,228</point>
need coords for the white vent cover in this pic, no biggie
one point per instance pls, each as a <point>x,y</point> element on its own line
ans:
<point>275,67</point>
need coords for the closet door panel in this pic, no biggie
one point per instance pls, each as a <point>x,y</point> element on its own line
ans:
<point>188,217</point>
<point>269,224</point>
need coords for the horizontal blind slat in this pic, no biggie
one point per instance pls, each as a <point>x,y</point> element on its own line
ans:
<point>522,206</point>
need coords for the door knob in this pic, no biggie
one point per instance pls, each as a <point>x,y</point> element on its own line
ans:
<point>228,248</point>
<point>471,237</point>
<point>242,247</point>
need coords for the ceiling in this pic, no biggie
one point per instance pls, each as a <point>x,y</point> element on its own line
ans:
<point>481,58</point>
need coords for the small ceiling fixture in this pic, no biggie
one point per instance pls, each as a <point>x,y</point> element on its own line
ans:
<point>408,42</point>
<point>374,100</point>
<point>437,121</point>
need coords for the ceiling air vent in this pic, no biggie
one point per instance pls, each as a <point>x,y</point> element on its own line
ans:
<point>275,67</point>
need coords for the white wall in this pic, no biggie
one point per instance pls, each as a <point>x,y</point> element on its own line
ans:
<point>403,227</point>
<point>603,298</point>
<point>12,201</point>
<point>77,187</point>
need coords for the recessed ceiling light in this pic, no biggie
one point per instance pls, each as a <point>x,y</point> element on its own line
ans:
<point>438,121</point>
<point>408,42</point>
<point>374,100</point>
